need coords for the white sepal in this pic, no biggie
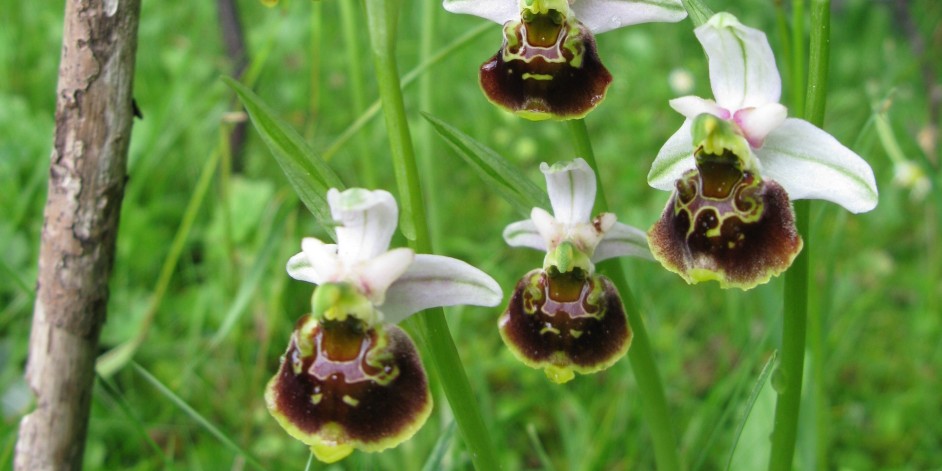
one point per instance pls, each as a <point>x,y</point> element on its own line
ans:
<point>605,15</point>
<point>693,106</point>
<point>550,230</point>
<point>498,11</point>
<point>742,67</point>
<point>524,234</point>
<point>316,263</point>
<point>435,280</point>
<point>571,188</point>
<point>622,240</point>
<point>377,274</point>
<point>757,123</point>
<point>673,160</point>
<point>811,164</point>
<point>366,221</point>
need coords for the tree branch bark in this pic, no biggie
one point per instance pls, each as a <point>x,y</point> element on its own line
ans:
<point>86,185</point>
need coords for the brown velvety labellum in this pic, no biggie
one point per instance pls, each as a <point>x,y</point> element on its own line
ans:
<point>566,320</point>
<point>552,81</point>
<point>739,231</point>
<point>369,382</point>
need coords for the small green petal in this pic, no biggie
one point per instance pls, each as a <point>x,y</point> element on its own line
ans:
<point>559,375</point>
<point>326,453</point>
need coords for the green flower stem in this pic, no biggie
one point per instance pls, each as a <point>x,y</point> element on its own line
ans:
<point>349,16</point>
<point>798,57</point>
<point>697,12</point>
<point>655,411</point>
<point>382,18</point>
<point>785,47</point>
<point>816,99</point>
<point>317,60</point>
<point>794,324</point>
<point>430,167</point>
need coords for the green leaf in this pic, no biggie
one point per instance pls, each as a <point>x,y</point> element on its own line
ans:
<point>251,282</point>
<point>541,454</point>
<point>505,179</point>
<point>434,460</point>
<point>226,440</point>
<point>755,428</point>
<point>308,174</point>
<point>697,11</point>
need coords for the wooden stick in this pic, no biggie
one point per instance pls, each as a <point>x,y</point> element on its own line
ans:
<point>86,185</point>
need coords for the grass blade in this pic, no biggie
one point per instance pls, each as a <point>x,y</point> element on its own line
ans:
<point>545,461</point>
<point>196,416</point>
<point>251,282</point>
<point>111,391</point>
<point>116,358</point>
<point>308,174</point>
<point>434,461</point>
<point>507,180</point>
<point>761,384</point>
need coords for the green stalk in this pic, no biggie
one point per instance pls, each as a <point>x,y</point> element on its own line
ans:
<point>794,324</point>
<point>655,411</point>
<point>815,101</point>
<point>697,12</point>
<point>798,57</point>
<point>430,170</point>
<point>382,18</point>
<point>351,32</point>
<point>781,26</point>
<point>317,35</point>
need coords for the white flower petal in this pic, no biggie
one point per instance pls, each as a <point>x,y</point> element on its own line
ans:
<point>524,234</point>
<point>374,276</point>
<point>498,11</point>
<point>367,221</point>
<point>317,263</point>
<point>757,123</point>
<point>434,280</point>
<point>742,67</point>
<point>549,229</point>
<point>673,160</point>
<point>586,236</point>
<point>620,241</point>
<point>693,106</point>
<point>605,15</point>
<point>811,164</point>
<point>571,188</point>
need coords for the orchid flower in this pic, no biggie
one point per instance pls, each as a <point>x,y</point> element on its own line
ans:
<point>548,66</point>
<point>350,378</point>
<point>736,161</point>
<point>564,317</point>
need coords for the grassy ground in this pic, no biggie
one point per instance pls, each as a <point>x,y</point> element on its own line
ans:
<point>208,266</point>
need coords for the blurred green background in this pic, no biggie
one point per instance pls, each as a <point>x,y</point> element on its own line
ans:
<point>222,306</point>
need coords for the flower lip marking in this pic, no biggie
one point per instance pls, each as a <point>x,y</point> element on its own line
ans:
<point>371,398</point>
<point>565,336</point>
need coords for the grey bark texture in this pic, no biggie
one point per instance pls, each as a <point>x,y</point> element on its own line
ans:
<point>86,185</point>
